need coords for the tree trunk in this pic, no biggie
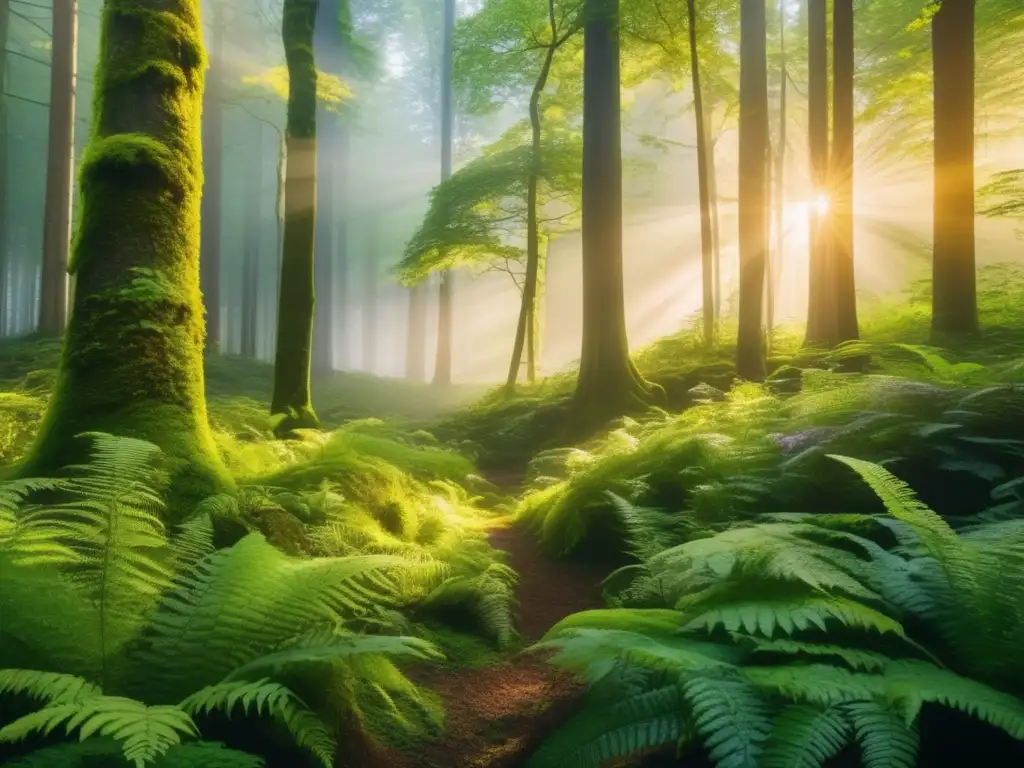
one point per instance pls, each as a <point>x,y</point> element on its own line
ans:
<point>5,240</point>
<point>954,283</point>
<point>525,328</point>
<point>60,168</point>
<point>279,210</point>
<point>535,328</point>
<point>213,143</point>
<point>132,362</point>
<point>251,237</point>
<point>715,231</point>
<point>753,166</point>
<point>820,304</point>
<point>608,384</point>
<point>415,344</point>
<point>370,289</point>
<point>443,361</point>
<point>780,168</point>
<point>706,233</point>
<point>841,181</point>
<point>291,403</point>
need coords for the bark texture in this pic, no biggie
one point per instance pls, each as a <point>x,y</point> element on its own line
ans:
<point>753,186</point>
<point>841,173</point>
<point>954,281</point>
<point>60,169</point>
<point>133,357</point>
<point>213,181</point>
<point>291,405</point>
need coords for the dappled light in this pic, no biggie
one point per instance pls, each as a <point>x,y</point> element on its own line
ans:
<point>511,384</point>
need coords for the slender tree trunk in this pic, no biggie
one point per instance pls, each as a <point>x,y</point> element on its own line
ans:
<point>780,166</point>
<point>534,331</point>
<point>251,237</point>
<point>291,403</point>
<point>750,352</point>
<point>370,290</point>
<point>213,143</point>
<point>841,172</point>
<point>279,208</point>
<point>954,282</point>
<point>525,330</point>
<point>132,363</point>
<point>706,233</point>
<point>608,384</point>
<point>715,221</point>
<point>443,361</point>
<point>820,304</point>
<point>5,240</point>
<point>60,167</point>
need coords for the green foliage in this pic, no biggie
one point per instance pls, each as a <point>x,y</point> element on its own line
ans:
<point>180,629</point>
<point>873,633</point>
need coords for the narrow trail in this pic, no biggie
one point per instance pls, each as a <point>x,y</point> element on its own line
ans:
<point>496,716</point>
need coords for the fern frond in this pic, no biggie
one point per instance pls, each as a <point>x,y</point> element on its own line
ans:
<point>732,717</point>
<point>144,732</point>
<point>650,622</point>
<point>602,732</point>
<point>855,658</point>
<point>48,686</point>
<point>806,737</point>
<point>886,739</point>
<point>83,754</point>
<point>271,698</point>
<point>820,684</point>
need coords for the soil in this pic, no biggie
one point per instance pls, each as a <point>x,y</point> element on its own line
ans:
<point>496,716</point>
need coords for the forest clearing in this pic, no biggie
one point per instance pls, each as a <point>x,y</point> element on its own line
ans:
<point>511,383</point>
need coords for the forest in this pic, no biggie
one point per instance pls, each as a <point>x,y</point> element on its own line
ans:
<point>511,383</point>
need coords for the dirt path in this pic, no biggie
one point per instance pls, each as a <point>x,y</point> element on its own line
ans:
<point>495,717</point>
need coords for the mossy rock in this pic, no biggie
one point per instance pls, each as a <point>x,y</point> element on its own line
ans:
<point>786,380</point>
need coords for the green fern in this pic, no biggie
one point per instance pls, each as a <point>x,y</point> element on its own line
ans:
<point>732,717</point>
<point>886,739</point>
<point>806,737</point>
<point>107,753</point>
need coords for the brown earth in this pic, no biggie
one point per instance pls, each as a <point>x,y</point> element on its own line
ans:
<point>495,717</point>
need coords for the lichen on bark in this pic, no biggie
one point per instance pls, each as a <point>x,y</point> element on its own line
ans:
<point>132,362</point>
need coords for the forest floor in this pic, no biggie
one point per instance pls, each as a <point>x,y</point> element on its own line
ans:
<point>496,716</point>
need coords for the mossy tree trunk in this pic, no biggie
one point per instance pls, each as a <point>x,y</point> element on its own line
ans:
<point>706,234</point>
<point>443,360</point>
<point>954,280</point>
<point>608,384</point>
<point>213,181</point>
<point>60,167</point>
<point>753,167</point>
<point>841,172</point>
<point>291,404</point>
<point>133,356</point>
<point>820,303</point>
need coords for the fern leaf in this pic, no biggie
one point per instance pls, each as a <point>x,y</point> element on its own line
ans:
<point>886,740</point>
<point>856,659</point>
<point>731,716</point>
<point>806,737</point>
<point>820,684</point>
<point>600,733</point>
<point>49,686</point>
<point>271,698</point>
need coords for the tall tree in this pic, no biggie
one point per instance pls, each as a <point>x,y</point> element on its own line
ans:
<point>291,404</point>
<point>251,241</point>
<point>213,180</point>
<point>841,172</point>
<point>820,316</point>
<point>954,283</point>
<point>780,169</point>
<point>527,329</point>
<point>753,169</point>
<point>608,382</point>
<point>60,168</point>
<point>443,361</point>
<point>703,183</point>
<point>132,362</point>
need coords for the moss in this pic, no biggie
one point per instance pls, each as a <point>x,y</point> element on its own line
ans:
<point>132,358</point>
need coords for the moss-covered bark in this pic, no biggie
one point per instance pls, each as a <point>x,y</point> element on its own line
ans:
<point>213,183</point>
<point>132,362</point>
<point>291,403</point>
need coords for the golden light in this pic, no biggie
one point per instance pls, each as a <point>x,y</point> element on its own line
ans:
<point>820,204</point>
